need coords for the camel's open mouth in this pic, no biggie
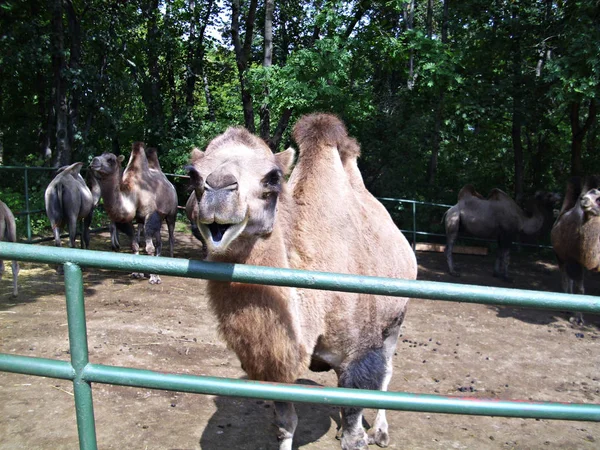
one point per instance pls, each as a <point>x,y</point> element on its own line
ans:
<point>217,230</point>
<point>218,236</point>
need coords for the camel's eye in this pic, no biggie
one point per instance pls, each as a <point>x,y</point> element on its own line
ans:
<point>272,181</point>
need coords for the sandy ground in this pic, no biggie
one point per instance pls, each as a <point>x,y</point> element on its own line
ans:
<point>446,348</point>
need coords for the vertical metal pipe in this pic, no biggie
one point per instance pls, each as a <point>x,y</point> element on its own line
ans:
<point>84,407</point>
<point>27,206</point>
<point>414,210</point>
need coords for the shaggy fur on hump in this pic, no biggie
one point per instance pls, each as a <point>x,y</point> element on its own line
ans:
<point>315,132</point>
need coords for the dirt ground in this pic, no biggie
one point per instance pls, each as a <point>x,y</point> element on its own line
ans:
<point>446,348</point>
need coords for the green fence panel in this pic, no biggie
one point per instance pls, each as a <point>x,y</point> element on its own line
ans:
<point>83,373</point>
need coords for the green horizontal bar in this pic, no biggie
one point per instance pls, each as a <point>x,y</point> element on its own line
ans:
<point>305,279</point>
<point>41,367</point>
<point>124,376</point>
<point>27,168</point>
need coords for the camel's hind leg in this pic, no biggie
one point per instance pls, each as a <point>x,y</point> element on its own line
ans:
<point>575,273</point>
<point>452,221</point>
<point>371,371</point>
<point>378,433</point>
<point>171,229</point>
<point>286,421</point>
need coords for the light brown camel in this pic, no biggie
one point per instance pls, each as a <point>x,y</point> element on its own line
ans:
<point>69,201</point>
<point>497,217</point>
<point>8,233</point>
<point>576,234</point>
<point>323,219</point>
<point>141,194</point>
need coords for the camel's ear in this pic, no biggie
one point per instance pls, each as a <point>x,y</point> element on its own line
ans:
<point>120,158</point>
<point>196,155</point>
<point>285,160</point>
<point>196,181</point>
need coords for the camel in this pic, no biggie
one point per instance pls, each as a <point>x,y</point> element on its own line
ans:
<point>322,219</point>
<point>141,194</point>
<point>94,186</point>
<point>497,217</point>
<point>68,201</point>
<point>8,233</point>
<point>576,233</point>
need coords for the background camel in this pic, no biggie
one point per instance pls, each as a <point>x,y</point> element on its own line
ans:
<point>324,219</point>
<point>141,194</point>
<point>8,233</point>
<point>69,201</point>
<point>576,234</point>
<point>497,217</point>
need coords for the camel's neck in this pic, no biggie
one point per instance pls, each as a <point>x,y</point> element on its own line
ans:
<point>119,205</point>
<point>533,224</point>
<point>261,323</point>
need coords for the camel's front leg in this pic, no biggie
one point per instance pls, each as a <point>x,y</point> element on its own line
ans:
<point>286,421</point>
<point>152,231</point>
<point>15,272</point>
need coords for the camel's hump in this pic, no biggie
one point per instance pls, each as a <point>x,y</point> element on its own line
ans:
<point>468,191</point>
<point>313,132</point>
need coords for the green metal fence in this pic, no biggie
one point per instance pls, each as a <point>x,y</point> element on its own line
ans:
<point>83,373</point>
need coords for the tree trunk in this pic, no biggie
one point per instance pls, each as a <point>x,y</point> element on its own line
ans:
<point>195,55</point>
<point>578,133</point>
<point>439,108</point>
<point>74,63</point>
<point>242,55</point>
<point>154,104</point>
<point>409,19</point>
<point>517,113</point>
<point>265,113</point>
<point>63,149</point>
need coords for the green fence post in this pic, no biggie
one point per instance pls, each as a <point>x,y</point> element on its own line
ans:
<point>414,210</point>
<point>84,407</point>
<point>27,206</point>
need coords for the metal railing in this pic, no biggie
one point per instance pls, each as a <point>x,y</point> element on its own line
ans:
<point>83,373</point>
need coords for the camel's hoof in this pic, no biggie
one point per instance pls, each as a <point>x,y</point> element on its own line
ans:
<point>577,320</point>
<point>379,437</point>
<point>154,279</point>
<point>137,275</point>
<point>454,273</point>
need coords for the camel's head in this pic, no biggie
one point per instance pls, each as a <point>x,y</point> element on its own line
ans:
<point>590,202</point>
<point>106,165</point>
<point>237,182</point>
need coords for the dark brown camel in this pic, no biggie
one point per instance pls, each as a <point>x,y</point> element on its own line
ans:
<point>8,233</point>
<point>323,219</point>
<point>141,194</point>
<point>576,234</point>
<point>69,201</point>
<point>497,217</point>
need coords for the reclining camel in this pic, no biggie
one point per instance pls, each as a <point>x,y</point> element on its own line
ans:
<point>497,217</point>
<point>323,219</point>
<point>8,233</point>
<point>141,194</point>
<point>576,234</point>
<point>69,201</point>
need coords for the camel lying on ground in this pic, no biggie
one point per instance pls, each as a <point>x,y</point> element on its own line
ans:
<point>497,217</point>
<point>8,233</point>
<point>69,201</point>
<point>141,194</point>
<point>323,219</point>
<point>576,234</point>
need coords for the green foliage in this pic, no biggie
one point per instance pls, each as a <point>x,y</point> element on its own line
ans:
<point>397,86</point>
